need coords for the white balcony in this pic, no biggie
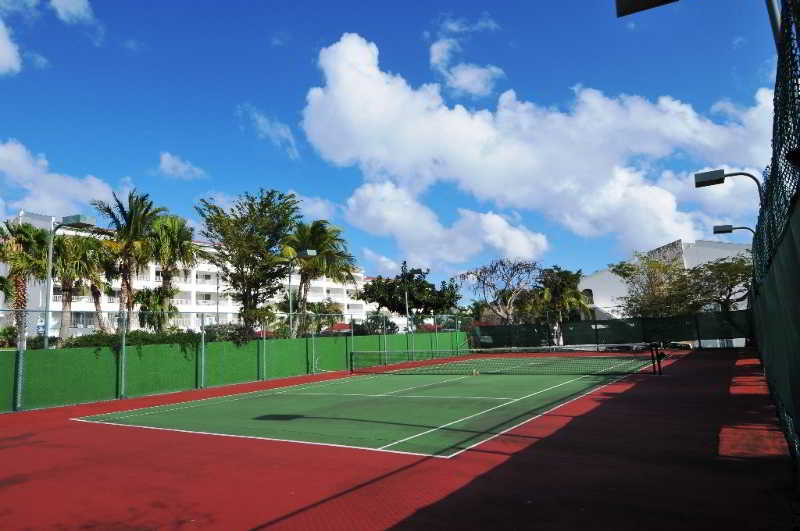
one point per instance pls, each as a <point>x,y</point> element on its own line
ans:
<point>76,298</point>
<point>180,302</point>
<point>207,302</point>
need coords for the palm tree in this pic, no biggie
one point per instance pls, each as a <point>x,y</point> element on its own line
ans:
<point>170,244</point>
<point>69,268</point>
<point>24,249</point>
<point>155,309</point>
<point>101,270</point>
<point>331,260</point>
<point>131,224</point>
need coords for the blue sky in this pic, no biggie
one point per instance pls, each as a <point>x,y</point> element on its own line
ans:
<point>446,134</point>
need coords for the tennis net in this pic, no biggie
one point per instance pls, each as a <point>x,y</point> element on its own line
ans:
<point>613,359</point>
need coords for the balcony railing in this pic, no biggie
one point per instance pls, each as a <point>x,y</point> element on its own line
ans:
<point>207,302</point>
<point>179,302</point>
<point>76,298</point>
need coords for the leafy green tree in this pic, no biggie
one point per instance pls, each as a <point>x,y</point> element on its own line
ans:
<point>499,283</point>
<point>560,297</point>
<point>724,282</point>
<point>475,309</point>
<point>171,245</point>
<point>656,288</point>
<point>131,225</point>
<point>23,248</point>
<point>331,258</point>
<point>102,269</point>
<point>423,296</point>
<point>247,240</point>
<point>375,324</point>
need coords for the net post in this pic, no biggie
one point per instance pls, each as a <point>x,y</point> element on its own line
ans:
<point>658,361</point>
<point>697,331</point>
<point>653,357</point>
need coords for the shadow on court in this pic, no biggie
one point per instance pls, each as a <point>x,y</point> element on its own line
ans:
<point>676,453</point>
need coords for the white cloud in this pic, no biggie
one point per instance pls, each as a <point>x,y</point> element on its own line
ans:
<point>314,208</point>
<point>280,38</point>
<point>10,61</point>
<point>738,42</point>
<point>473,79</point>
<point>173,166</point>
<point>631,26</point>
<point>37,60</point>
<point>26,8</point>
<point>383,264</point>
<point>275,131</point>
<point>43,190</point>
<point>73,11</point>
<point>463,78</point>
<point>220,198</point>
<point>385,209</point>
<point>133,45</point>
<point>586,167</point>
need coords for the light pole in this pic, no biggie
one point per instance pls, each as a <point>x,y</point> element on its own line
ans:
<point>710,178</point>
<point>306,253</point>
<point>727,229</point>
<point>77,222</point>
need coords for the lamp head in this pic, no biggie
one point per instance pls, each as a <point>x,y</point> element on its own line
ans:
<point>723,229</point>
<point>709,178</point>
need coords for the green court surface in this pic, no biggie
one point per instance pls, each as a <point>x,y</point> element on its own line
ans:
<point>437,415</point>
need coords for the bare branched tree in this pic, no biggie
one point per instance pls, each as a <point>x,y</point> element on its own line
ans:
<point>500,282</point>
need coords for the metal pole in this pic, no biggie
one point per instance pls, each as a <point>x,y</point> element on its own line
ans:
<point>753,177</point>
<point>217,323</point>
<point>50,285</point>
<point>775,20</point>
<point>289,291</point>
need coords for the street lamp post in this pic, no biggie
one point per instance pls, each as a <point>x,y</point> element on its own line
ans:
<point>76,222</point>
<point>710,178</point>
<point>305,253</point>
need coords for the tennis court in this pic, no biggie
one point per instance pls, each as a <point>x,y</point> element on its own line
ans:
<point>431,403</point>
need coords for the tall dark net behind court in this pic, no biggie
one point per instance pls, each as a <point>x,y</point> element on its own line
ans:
<point>775,299</point>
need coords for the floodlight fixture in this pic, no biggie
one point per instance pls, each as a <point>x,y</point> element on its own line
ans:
<point>628,7</point>
<point>727,229</point>
<point>710,178</point>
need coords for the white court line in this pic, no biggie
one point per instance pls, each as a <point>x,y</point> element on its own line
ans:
<point>425,385</point>
<point>543,413</point>
<point>233,397</point>
<point>405,396</point>
<point>258,438</point>
<point>491,409</point>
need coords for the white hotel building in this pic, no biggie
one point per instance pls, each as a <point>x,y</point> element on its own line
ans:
<point>200,291</point>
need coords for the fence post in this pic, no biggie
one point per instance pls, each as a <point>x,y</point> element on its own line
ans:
<point>122,359</point>
<point>19,378</point>
<point>596,331</point>
<point>697,330</point>
<point>202,351</point>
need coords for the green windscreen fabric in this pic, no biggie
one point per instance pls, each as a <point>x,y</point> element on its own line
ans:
<point>723,325</point>
<point>617,331</point>
<point>668,329</point>
<point>7,364</point>
<point>579,333</point>
<point>332,352</point>
<point>398,342</point>
<point>489,336</point>
<point>286,357</point>
<point>228,363</point>
<point>68,376</point>
<point>153,369</point>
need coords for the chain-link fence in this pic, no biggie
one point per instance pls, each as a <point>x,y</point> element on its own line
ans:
<point>775,299</point>
<point>95,356</point>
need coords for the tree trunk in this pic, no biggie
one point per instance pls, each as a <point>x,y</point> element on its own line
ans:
<point>96,297</point>
<point>66,310</point>
<point>19,305</point>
